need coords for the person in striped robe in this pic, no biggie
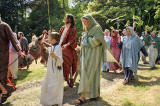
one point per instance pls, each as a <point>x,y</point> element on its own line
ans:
<point>92,56</point>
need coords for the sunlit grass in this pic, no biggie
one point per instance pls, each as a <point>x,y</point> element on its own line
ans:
<point>35,72</point>
<point>143,92</point>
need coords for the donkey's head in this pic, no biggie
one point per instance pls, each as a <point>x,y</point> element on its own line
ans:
<point>35,47</point>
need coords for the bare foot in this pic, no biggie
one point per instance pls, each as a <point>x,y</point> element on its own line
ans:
<point>125,82</point>
<point>81,100</point>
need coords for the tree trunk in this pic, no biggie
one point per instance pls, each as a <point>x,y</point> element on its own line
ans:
<point>63,4</point>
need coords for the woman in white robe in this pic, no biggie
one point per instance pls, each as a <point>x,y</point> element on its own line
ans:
<point>107,38</point>
<point>13,60</point>
<point>53,84</point>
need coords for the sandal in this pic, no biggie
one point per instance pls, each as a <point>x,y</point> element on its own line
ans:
<point>4,97</point>
<point>81,101</point>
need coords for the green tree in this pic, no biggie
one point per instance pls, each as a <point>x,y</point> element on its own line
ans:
<point>38,19</point>
<point>13,12</point>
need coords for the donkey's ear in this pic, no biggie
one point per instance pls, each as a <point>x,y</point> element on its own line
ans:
<point>40,38</point>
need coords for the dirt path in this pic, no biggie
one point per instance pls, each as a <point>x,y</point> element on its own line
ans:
<point>28,94</point>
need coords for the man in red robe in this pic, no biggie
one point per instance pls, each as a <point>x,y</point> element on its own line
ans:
<point>68,42</point>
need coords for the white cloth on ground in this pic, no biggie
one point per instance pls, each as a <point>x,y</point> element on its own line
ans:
<point>13,60</point>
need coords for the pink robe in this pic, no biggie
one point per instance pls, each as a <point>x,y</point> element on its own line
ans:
<point>116,51</point>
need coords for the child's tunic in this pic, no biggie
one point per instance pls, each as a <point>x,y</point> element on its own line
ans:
<point>53,84</point>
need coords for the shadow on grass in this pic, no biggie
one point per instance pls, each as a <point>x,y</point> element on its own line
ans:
<point>147,83</point>
<point>111,76</point>
<point>143,67</point>
<point>7,104</point>
<point>22,74</point>
<point>71,94</point>
<point>97,102</point>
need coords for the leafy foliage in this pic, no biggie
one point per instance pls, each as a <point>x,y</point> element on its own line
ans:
<point>111,14</point>
<point>38,20</point>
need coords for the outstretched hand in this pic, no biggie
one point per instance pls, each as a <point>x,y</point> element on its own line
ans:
<point>21,54</point>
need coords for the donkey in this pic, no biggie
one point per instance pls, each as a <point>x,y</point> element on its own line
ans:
<point>37,50</point>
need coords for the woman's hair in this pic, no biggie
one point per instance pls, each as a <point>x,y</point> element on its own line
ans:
<point>55,35</point>
<point>70,19</point>
<point>21,33</point>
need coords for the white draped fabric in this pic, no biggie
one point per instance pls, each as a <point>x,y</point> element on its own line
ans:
<point>53,84</point>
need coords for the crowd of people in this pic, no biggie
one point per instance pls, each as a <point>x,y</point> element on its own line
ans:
<point>100,51</point>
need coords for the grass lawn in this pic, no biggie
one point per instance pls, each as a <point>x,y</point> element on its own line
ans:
<point>35,72</point>
<point>144,92</point>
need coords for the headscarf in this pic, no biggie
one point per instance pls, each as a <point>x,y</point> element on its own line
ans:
<point>114,39</point>
<point>108,33</point>
<point>131,30</point>
<point>93,28</point>
<point>91,21</point>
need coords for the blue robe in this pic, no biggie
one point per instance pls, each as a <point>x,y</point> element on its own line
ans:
<point>130,52</point>
<point>108,41</point>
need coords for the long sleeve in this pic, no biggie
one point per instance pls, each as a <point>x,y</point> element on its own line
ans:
<point>94,39</point>
<point>58,53</point>
<point>12,38</point>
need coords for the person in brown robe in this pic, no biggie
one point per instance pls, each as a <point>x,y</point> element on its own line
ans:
<point>23,42</point>
<point>6,35</point>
